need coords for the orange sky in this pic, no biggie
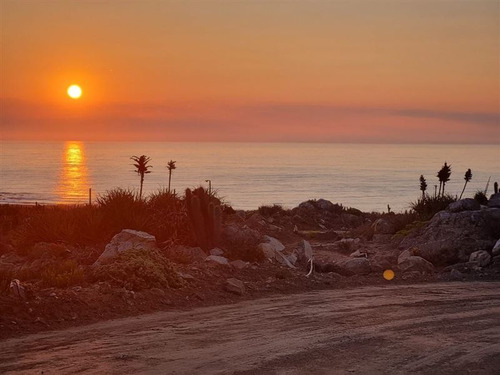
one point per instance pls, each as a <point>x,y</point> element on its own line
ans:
<point>336,71</point>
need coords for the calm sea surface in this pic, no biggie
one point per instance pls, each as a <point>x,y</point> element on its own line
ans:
<point>248,175</point>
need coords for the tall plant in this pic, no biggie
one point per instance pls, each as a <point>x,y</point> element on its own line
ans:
<point>171,166</point>
<point>444,176</point>
<point>142,168</point>
<point>467,178</point>
<point>423,185</point>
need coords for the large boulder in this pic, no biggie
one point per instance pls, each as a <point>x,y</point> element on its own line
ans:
<point>451,237</point>
<point>126,240</point>
<point>496,249</point>
<point>416,263</point>
<point>494,200</point>
<point>324,205</point>
<point>481,257</point>
<point>271,246</point>
<point>217,260</point>
<point>356,266</point>
<point>467,204</point>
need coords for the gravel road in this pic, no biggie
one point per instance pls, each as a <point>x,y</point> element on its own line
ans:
<point>438,328</point>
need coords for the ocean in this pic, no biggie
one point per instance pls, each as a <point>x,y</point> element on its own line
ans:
<point>365,176</point>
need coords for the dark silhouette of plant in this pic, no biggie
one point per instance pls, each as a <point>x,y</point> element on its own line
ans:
<point>428,206</point>
<point>171,166</point>
<point>495,188</point>
<point>481,197</point>
<point>142,167</point>
<point>444,176</point>
<point>423,185</point>
<point>467,178</point>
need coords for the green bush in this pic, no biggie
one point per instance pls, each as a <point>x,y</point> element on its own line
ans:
<point>137,270</point>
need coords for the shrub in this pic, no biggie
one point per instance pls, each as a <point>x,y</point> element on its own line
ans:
<point>61,274</point>
<point>139,269</point>
<point>268,211</point>
<point>481,198</point>
<point>428,206</point>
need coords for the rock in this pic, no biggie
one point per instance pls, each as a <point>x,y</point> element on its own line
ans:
<point>416,263</point>
<point>126,240</point>
<point>383,261</point>
<point>356,266</point>
<point>307,206</point>
<point>275,244</point>
<point>358,254</point>
<point>405,255</point>
<point>347,245</point>
<point>467,204</point>
<point>186,276</point>
<point>217,259</point>
<point>494,201</point>
<point>304,252</point>
<point>324,205</point>
<point>450,237</point>
<point>456,274</point>
<point>17,290</point>
<point>239,264</point>
<point>481,257</point>
<point>283,259</point>
<point>186,255</point>
<point>496,249</point>
<point>271,246</point>
<point>292,258</point>
<point>235,286</point>
<point>217,251</point>
<point>383,226</point>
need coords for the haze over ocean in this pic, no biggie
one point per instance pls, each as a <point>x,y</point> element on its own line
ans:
<point>364,176</point>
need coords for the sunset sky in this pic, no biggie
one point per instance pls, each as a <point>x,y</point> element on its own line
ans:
<point>319,71</point>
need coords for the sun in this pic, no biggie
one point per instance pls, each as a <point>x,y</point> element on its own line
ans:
<point>74,91</point>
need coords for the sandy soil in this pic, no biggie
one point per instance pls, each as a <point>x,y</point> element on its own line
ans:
<point>436,328</point>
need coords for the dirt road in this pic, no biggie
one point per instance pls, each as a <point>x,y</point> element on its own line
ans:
<point>441,328</point>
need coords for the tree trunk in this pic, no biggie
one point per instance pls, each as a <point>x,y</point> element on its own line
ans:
<point>169,178</point>
<point>140,191</point>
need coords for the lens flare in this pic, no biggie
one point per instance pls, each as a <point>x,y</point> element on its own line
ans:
<point>388,275</point>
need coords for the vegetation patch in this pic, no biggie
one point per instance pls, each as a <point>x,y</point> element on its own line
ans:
<point>138,270</point>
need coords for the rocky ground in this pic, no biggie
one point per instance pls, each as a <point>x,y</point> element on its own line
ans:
<point>261,254</point>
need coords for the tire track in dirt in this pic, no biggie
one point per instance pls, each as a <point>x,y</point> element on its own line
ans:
<point>424,328</point>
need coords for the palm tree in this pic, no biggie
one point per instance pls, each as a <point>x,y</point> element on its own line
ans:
<point>423,185</point>
<point>171,166</point>
<point>142,167</point>
<point>444,176</point>
<point>467,178</point>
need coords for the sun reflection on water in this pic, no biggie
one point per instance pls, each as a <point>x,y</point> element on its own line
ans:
<point>74,184</point>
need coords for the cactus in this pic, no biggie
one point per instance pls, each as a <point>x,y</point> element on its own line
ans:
<point>495,187</point>
<point>205,218</point>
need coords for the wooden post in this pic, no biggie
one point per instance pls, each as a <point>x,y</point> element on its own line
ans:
<point>90,196</point>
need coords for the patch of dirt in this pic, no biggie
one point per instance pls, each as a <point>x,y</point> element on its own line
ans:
<point>431,328</point>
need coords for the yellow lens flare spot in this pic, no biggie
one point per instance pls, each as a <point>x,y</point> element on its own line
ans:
<point>388,274</point>
<point>74,91</point>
